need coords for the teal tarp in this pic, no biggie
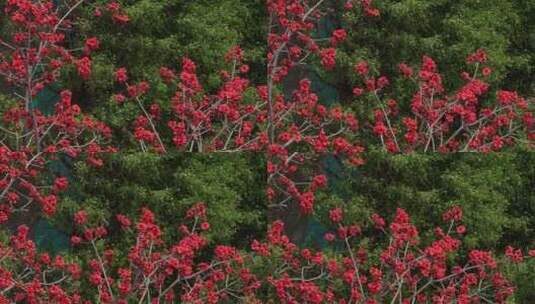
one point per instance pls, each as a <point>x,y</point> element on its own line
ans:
<point>332,166</point>
<point>47,237</point>
<point>46,100</point>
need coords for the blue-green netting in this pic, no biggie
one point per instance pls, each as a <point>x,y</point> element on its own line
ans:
<point>46,100</point>
<point>46,236</point>
<point>327,94</point>
<point>332,166</point>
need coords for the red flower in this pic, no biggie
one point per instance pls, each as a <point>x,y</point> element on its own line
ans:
<point>329,237</point>
<point>306,202</point>
<point>124,221</point>
<point>205,226</point>
<point>119,98</point>
<point>453,214</point>
<point>120,18</point>
<point>84,67</point>
<point>338,36</point>
<point>91,44</point>
<point>405,70</point>
<point>80,217</point>
<point>167,74</point>
<point>480,56</point>
<point>507,97</point>
<point>121,75</point>
<point>514,255</point>
<point>362,68</point>
<point>75,240</point>
<point>244,69</point>
<point>486,71</point>
<point>328,58</point>
<point>358,91</point>
<point>60,184</point>
<point>113,6</point>
<point>336,215</point>
<point>378,221</point>
<point>319,181</point>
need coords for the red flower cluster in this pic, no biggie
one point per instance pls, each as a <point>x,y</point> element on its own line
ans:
<point>291,132</point>
<point>449,122</point>
<point>113,9</point>
<point>179,271</point>
<point>31,138</point>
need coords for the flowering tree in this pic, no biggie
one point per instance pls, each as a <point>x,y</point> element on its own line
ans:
<point>294,132</point>
<point>400,267</point>
<point>32,56</point>
<point>462,121</point>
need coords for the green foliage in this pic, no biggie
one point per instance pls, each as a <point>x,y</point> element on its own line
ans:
<point>524,278</point>
<point>447,31</point>
<point>160,33</point>
<point>494,190</point>
<point>231,186</point>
